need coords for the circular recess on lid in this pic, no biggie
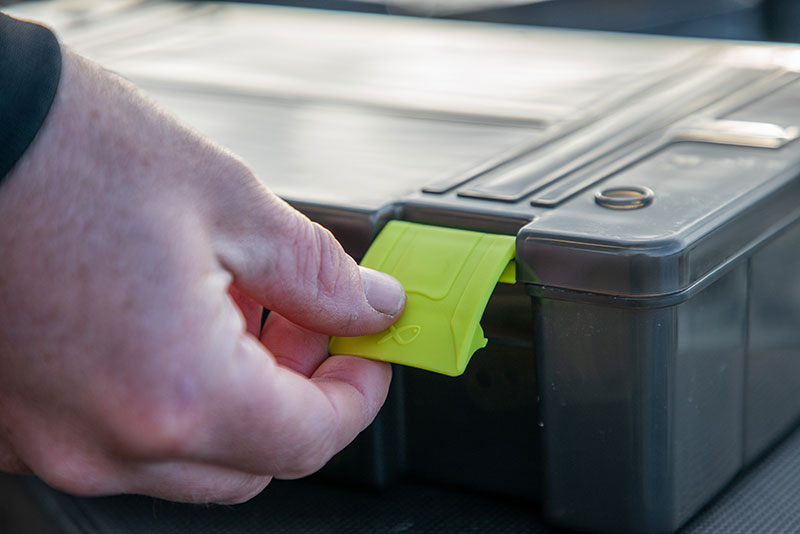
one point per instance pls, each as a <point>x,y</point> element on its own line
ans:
<point>627,197</point>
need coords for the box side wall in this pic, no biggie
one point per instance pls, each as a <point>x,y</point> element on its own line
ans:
<point>603,375</point>
<point>707,392</point>
<point>481,429</point>
<point>642,408</point>
<point>773,364</point>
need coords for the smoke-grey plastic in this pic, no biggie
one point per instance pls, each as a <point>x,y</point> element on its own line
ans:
<point>650,349</point>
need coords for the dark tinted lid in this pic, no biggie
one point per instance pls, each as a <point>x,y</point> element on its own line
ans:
<point>359,118</point>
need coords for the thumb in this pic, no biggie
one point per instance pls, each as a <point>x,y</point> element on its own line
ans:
<point>297,268</point>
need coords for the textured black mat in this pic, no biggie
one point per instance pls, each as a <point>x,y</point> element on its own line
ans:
<point>765,499</point>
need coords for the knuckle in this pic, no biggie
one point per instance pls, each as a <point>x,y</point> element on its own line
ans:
<point>325,276</point>
<point>315,271</point>
<point>152,430</point>
<point>74,472</point>
<point>318,260</point>
<point>330,262</point>
<point>154,410</point>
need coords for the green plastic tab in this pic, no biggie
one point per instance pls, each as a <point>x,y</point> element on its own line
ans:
<point>448,275</point>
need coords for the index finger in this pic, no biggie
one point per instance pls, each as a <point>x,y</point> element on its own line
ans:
<point>267,419</point>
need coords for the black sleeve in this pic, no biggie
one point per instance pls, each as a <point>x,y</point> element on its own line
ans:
<point>30,68</point>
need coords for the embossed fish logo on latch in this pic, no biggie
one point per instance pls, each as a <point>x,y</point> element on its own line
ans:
<point>403,336</point>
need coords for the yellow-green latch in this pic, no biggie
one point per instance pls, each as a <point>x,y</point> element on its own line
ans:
<point>448,275</point>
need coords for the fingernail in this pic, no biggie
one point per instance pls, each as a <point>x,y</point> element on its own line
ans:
<point>384,293</point>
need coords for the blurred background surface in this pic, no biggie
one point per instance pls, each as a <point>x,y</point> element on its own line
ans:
<point>755,20</point>
<point>762,20</point>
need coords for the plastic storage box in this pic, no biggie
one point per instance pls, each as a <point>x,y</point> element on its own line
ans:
<point>650,348</point>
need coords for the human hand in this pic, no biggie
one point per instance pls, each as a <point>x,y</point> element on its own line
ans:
<point>136,258</point>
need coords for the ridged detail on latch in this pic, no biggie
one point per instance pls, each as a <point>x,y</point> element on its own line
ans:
<point>448,275</point>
